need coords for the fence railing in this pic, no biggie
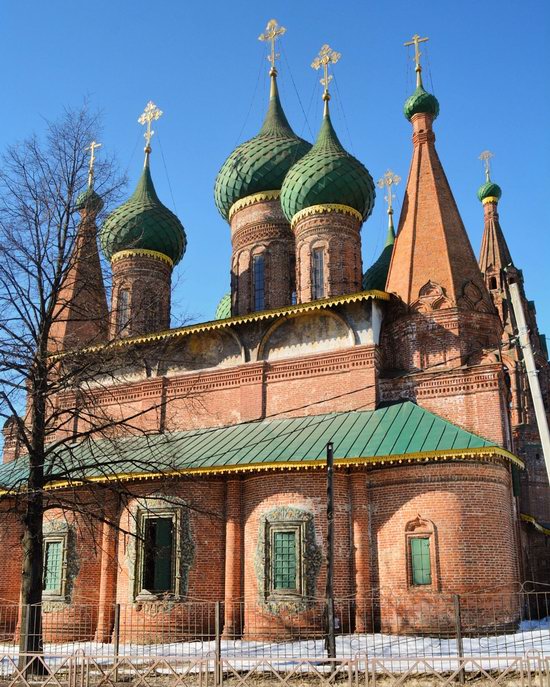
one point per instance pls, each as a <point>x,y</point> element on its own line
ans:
<point>385,626</point>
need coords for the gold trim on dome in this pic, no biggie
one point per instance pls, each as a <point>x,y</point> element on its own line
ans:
<point>254,198</point>
<point>323,209</point>
<point>145,252</point>
<point>490,199</point>
<point>485,452</point>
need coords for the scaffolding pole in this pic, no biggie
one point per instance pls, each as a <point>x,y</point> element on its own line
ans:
<point>532,373</point>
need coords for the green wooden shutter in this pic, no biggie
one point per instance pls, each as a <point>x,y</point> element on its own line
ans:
<point>420,560</point>
<point>163,555</point>
<point>53,564</point>
<point>284,560</point>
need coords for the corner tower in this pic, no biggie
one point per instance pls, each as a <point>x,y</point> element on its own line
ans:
<point>247,192</point>
<point>326,196</point>
<point>433,269</point>
<point>143,240</point>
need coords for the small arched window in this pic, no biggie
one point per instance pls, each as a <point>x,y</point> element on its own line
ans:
<point>123,310</point>
<point>317,273</point>
<point>258,281</point>
<point>492,283</point>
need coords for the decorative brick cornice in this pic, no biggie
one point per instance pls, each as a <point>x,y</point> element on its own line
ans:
<point>325,208</point>
<point>247,201</point>
<point>257,233</point>
<point>141,252</point>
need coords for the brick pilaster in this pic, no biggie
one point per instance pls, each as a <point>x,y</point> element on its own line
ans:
<point>361,550</point>
<point>107,583</point>
<point>233,560</point>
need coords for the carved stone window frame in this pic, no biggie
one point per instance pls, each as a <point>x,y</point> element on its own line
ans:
<point>159,506</point>
<point>299,530</point>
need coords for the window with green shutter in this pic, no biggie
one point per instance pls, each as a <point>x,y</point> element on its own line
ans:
<point>421,569</point>
<point>284,562</point>
<point>53,567</point>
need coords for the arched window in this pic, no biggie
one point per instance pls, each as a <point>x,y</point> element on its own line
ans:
<point>492,283</point>
<point>258,281</point>
<point>421,553</point>
<point>123,310</point>
<point>317,273</point>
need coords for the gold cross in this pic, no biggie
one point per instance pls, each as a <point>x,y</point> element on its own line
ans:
<point>325,57</point>
<point>485,156</point>
<point>272,32</point>
<point>150,113</point>
<point>387,181</point>
<point>416,40</point>
<point>93,145</point>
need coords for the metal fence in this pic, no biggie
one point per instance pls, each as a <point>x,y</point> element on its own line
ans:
<point>385,626</point>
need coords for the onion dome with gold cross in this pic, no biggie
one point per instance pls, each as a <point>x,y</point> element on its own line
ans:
<point>420,102</point>
<point>489,191</point>
<point>143,223</point>
<point>89,200</point>
<point>260,164</point>
<point>327,175</point>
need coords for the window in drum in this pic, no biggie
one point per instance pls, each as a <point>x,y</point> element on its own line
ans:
<point>421,569</point>
<point>123,310</point>
<point>258,278</point>
<point>317,273</point>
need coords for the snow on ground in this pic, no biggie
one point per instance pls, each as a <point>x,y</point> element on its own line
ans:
<point>532,638</point>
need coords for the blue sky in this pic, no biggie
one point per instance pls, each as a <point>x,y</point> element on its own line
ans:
<point>202,64</point>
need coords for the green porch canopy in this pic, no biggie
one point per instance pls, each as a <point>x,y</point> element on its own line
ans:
<point>402,432</point>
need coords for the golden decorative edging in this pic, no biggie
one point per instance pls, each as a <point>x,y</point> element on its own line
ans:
<point>323,209</point>
<point>240,319</point>
<point>247,201</point>
<point>488,452</point>
<point>121,254</point>
<point>530,519</point>
<point>490,199</point>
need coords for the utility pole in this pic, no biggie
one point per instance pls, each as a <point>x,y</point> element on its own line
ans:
<point>330,639</point>
<point>532,373</point>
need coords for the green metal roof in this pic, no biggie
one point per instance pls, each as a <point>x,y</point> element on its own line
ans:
<point>144,222</point>
<point>327,174</point>
<point>400,432</point>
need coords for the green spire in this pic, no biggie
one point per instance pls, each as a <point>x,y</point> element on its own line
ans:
<point>143,222</point>
<point>327,174</point>
<point>261,163</point>
<point>377,274</point>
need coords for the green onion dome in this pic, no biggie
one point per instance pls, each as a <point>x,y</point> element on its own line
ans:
<point>223,311</point>
<point>144,223</point>
<point>261,163</point>
<point>488,190</point>
<point>328,174</point>
<point>421,102</point>
<point>377,274</point>
<point>89,199</point>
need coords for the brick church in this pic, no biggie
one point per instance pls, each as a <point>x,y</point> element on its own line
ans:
<point>410,368</point>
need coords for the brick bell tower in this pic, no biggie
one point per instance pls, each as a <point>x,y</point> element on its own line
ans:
<point>326,196</point>
<point>143,240</point>
<point>446,317</point>
<point>247,194</point>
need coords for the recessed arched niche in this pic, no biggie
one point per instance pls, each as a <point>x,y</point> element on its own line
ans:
<point>306,334</point>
